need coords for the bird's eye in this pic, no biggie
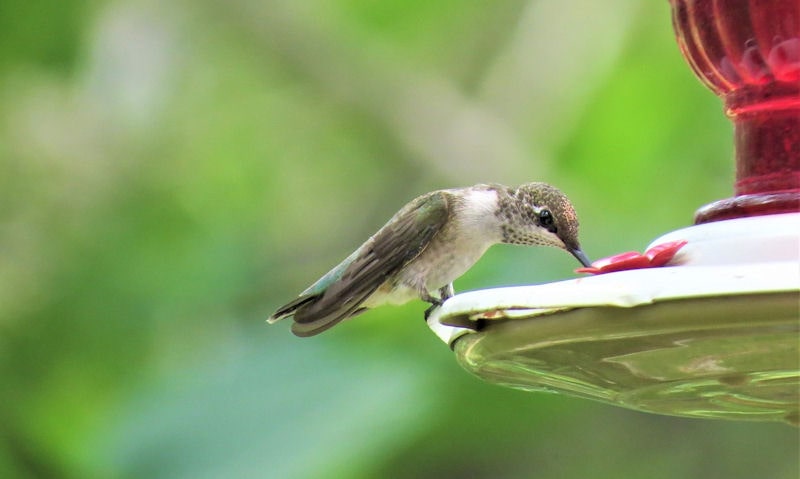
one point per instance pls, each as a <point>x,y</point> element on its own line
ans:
<point>547,221</point>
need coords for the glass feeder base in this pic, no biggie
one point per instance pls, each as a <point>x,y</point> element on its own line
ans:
<point>725,358</point>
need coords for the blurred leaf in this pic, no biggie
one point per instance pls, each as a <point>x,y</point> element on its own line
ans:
<point>253,410</point>
<point>43,33</point>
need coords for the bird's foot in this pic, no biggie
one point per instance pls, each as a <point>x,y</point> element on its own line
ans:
<point>445,292</point>
<point>430,310</point>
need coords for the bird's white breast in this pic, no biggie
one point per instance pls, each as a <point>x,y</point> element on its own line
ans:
<point>472,229</point>
<point>475,229</point>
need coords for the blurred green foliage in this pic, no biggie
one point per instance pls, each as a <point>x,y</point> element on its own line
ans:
<point>172,172</point>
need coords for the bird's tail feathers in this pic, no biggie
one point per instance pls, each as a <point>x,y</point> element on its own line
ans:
<point>289,309</point>
<point>315,313</point>
<point>316,324</point>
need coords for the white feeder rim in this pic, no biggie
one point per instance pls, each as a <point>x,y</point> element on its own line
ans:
<point>744,256</point>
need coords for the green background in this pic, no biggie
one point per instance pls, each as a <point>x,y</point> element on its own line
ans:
<point>172,172</point>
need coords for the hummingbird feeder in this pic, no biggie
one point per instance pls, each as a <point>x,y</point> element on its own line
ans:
<point>714,333</point>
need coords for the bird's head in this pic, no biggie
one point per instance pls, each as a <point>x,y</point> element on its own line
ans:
<point>540,214</point>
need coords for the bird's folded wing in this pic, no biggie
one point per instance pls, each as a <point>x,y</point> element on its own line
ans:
<point>397,243</point>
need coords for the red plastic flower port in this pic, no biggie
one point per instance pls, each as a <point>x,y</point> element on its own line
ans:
<point>658,255</point>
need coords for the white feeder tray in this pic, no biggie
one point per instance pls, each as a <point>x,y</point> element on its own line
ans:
<point>712,334</point>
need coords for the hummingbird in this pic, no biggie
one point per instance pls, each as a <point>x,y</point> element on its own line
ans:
<point>430,242</point>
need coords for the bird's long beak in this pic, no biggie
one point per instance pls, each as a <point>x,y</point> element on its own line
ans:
<point>578,253</point>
